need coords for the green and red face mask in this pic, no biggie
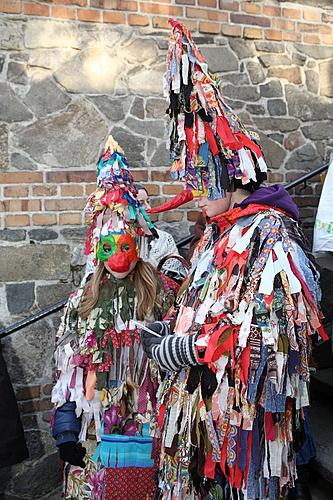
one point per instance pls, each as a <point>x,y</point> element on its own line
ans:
<point>118,251</point>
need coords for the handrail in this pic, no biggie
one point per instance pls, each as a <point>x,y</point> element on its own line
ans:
<point>4,332</point>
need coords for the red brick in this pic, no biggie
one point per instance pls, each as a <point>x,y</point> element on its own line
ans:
<point>211,15</point>
<point>90,188</point>
<point>72,190</point>
<point>229,30</point>
<point>291,37</point>
<point>19,205</point>
<point>140,175</point>
<point>114,17</point>
<point>20,177</point>
<point>47,389</point>
<point>275,177</point>
<point>311,14</point>
<point>206,27</point>
<point>253,33</point>
<point>97,3</point>
<point>314,28</point>
<point>33,9</point>
<point>185,2</point>
<point>172,189</point>
<point>192,215</point>
<point>70,218</point>
<point>16,220</point>
<point>24,393</point>
<point>271,11</point>
<point>265,22</point>
<point>160,23</point>
<point>121,5</point>
<point>152,189</point>
<point>163,10</point>
<point>44,190</point>
<point>311,38</point>
<point>89,15</point>
<point>174,216</point>
<point>10,6</point>
<point>283,24</point>
<point>44,219</point>
<point>327,39</point>
<point>12,191</point>
<point>161,175</point>
<point>217,16</point>
<point>63,12</point>
<point>71,176</point>
<point>79,3</point>
<point>65,204</point>
<point>207,3</point>
<point>35,405</point>
<point>135,20</point>
<point>190,24</point>
<point>289,13</point>
<point>251,8</point>
<point>229,5</point>
<point>327,18</point>
<point>273,35</point>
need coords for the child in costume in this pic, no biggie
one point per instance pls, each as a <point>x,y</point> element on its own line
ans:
<point>233,406</point>
<point>105,389</point>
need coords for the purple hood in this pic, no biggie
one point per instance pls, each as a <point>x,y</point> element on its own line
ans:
<point>274,196</point>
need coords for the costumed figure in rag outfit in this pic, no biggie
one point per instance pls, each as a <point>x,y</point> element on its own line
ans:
<point>105,391</point>
<point>233,405</point>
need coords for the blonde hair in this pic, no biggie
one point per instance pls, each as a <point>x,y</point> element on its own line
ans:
<point>144,278</point>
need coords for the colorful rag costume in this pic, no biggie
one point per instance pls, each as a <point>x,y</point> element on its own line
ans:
<point>234,415</point>
<point>105,389</point>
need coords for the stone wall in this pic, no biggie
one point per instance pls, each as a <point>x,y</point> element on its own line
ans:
<point>73,70</point>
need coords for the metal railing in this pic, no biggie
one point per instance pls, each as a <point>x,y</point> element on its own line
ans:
<point>183,242</point>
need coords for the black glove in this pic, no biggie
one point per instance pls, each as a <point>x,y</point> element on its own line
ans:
<point>72,453</point>
<point>171,352</point>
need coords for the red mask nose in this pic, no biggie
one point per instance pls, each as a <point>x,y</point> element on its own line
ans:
<point>119,262</point>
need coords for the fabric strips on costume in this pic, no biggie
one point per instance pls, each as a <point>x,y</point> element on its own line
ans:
<point>210,149</point>
<point>238,418</point>
<point>114,209</point>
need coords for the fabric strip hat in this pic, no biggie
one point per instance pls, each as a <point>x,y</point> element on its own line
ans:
<point>113,207</point>
<point>210,149</point>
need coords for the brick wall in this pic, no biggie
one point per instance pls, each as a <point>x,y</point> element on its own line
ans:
<point>73,70</point>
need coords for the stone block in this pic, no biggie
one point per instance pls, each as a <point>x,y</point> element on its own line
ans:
<point>34,262</point>
<point>42,234</point>
<point>280,124</point>
<point>2,62</point>
<point>273,152</point>
<point>3,146</point>
<point>255,109</point>
<point>114,108</point>
<point>92,71</point>
<point>326,77</point>
<point>147,81</point>
<point>301,104</point>
<point>71,137</point>
<point>11,34</point>
<point>137,108</point>
<point>256,72</point>
<point>43,33</point>
<point>17,73</point>
<point>20,297</point>
<point>312,81</point>
<point>38,479</point>
<point>276,137</point>
<point>271,89</point>
<point>21,162</point>
<point>243,48</point>
<point>245,93</point>
<point>277,107</point>
<point>268,60</point>
<point>44,96</point>
<point>160,157</point>
<point>148,128</point>
<point>322,130</point>
<point>236,78</point>
<point>141,50</point>
<point>50,58</point>
<point>12,235</point>
<point>75,233</point>
<point>265,46</point>
<point>134,146</point>
<point>47,295</point>
<point>220,59</point>
<point>314,51</point>
<point>156,108</point>
<point>294,141</point>
<point>305,158</point>
<point>11,107</point>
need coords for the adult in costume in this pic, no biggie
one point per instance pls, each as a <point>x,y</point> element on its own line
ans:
<point>233,406</point>
<point>105,390</point>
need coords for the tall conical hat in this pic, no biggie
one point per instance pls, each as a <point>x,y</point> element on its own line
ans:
<point>210,149</point>
<point>113,206</point>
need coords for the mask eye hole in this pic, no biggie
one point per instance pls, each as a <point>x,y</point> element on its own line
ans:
<point>125,247</point>
<point>106,248</point>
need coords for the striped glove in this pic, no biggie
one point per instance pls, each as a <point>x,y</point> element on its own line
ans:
<point>171,352</point>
